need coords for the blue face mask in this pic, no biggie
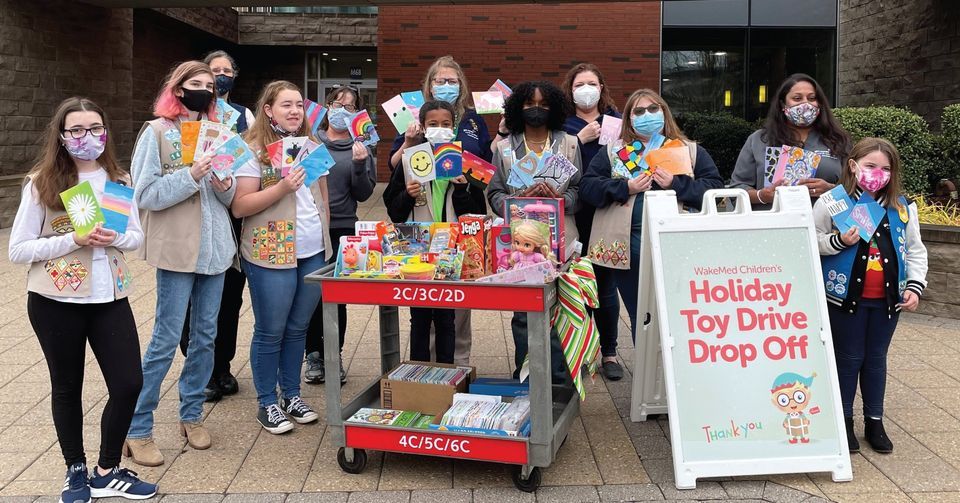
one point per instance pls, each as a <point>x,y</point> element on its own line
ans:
<point>647,124</point>
<point>446,92</point>
<point>338,118</point>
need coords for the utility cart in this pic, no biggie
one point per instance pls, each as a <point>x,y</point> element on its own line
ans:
<point>552,408</point>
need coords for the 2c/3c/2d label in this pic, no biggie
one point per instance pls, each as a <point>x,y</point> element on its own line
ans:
<point>428,294</point>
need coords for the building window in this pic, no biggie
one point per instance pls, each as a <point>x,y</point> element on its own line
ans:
<point>327,69</point>
<point>704,70</point>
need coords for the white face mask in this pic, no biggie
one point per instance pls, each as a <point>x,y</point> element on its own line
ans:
<point>586,96</point>
<point>436,135</point>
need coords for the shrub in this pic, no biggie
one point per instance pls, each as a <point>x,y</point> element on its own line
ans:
<point>721,134</point>
<point>905,129</point>
<point>948,145</point>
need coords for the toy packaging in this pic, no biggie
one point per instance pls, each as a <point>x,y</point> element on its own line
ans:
<point>548,211</point>
<point>499,249</point>
<point>352,256</point>
<point>443,235</point>
<point>472,242</point>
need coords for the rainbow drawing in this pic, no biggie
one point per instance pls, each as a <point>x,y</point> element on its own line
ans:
<point>448,160</point>
<point>115,204</point>
<point>315,113</point>
<point>362,128</point>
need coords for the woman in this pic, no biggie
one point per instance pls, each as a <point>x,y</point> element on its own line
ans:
<point>222,382</point>
<point>534,114</point>
<point>619,202</point>
<point>285,237</point>
<point>89,307</point>
<point>445,81</point>
<point>351,181</point>
<point>868,283</point>
<point>799,117</point>
<point>190,241</point>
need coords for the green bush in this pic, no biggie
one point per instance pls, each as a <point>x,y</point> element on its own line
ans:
<point>948,144</point>
<point>905,129</point>
<point>721,134</point>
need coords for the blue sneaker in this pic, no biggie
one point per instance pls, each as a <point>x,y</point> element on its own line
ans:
<point>76,488</point>
<point>120,482</point>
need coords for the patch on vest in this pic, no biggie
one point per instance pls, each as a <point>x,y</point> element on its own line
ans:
<point>613,254</point>
<point>269,176</point>
<point>61,224</point>
<point>836,282</point>
<point>122,280</point>
<point>274,243</point>
<point>64,273</point>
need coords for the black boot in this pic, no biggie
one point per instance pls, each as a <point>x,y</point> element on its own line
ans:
<point>876,436</point>
<point>852,441</point>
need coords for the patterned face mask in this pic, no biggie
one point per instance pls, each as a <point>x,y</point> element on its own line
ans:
<point>802,115</point>
<point>872,180</point>
<point>87,148</point>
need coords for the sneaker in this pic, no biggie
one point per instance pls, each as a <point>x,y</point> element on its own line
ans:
<point>212,391</point>
<point>273,420</point>
<point>76,487</point>
<point>343,372</point>
<point>120,482</point>
<point>299,410</point>
<point>228,384</point>
<point>315,373</point>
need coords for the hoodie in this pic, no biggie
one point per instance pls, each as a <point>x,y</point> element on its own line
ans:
<point>349,182</point>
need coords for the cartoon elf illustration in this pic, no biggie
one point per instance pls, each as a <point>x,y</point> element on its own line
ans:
<point>791,394</point>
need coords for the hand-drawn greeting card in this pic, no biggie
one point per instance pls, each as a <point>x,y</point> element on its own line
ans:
<point>229,156</point>
<point>418,163</point>
<point>675,160</point>
<point>82,208</point>
<point>839,206</point>
<point>226,114</point>
<point>398,113</point>
<point>362,128</point>
<point>291,150</point>
<point>477,171</point>
<point>555,170</point>
<point>488,102</point>
<point>866,215</point>
<point>795,164</point>
<point>521,175</point>
<point>771,158</point>
<point>503,88</point>
<point>448,159</point>
<point>116,203</point>
<point>630,156</point>
<point>315,113</point>
<point>414,100</point>
<point>308,146</point>
<point>189,133</point>
<point>610,129</point>
<point>275,154</point>
<point>209,137</point>
<point>316,164</point>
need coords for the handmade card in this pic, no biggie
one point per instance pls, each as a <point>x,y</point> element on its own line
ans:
<point>116,203</point>
<point>866,215</point>
<point>795,164</point>
<point>226,114</point>
<point>488,102</point>
<point>771,158</point>
<point>503,88</point>
<point>82,207</point>
<point>315,113</point>
<point>414,100</point>
<point>418,163</point>
<point>275,154</point>
<point>555,170</point>
<point>478,172</point>
<point>316,164</point>
<point>228,157</point>
<point>675,160</point>
<point>362,128</point>
<point>448,158</point>
<point>189,133</point>
<point>839,205</point>
<point>210,136</point>
<point>610,129</point>
<point>398,113</point>
<point>521,175</point>
<point>291,151</point>
<point>308,146</point>
<point>630,156</point>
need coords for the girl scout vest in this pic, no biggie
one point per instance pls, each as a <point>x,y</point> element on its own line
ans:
<point>171,236</point>
<point>69,275</point>
<point>269,238</point>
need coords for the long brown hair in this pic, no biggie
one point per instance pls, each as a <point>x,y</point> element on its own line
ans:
<point>54,170</point>
<point>894,188</point>
<point>261,134</point>
<point>670,128</point>
<point>777,131</point>
<point>606,102</point>
<point>465,100</point>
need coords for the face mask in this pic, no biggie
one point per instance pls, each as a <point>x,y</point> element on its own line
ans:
<point>436,135</point>
<point>535,116</point>
<point>872,180</point>
<point>87,148</point>
<point>446,92</point>
<point>802,115</point>
<point>586,96</point>
<point>277,128</point>
<point>224,84</point>
<point>338,118</point>
<point>196,100</point>
<point>647,124</point>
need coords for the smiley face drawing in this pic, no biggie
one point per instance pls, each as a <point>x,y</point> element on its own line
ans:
<point>421,164</point>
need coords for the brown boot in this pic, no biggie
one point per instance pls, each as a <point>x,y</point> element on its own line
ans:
<point>143,451</point>
<point>197,436</point>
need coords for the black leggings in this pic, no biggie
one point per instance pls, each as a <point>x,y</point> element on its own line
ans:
<point>63,330</point>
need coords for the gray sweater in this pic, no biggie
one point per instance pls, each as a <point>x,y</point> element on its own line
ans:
<point>154,192</point>
<point>349,182</point>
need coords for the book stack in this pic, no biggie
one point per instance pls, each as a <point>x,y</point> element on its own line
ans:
<point>390,417</point>
<point>486,412</point>
<point>426,374</point>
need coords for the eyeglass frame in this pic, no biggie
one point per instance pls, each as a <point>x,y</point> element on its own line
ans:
<point>86,131</point>
<point>333,105</point>
<point>654,108</point>
<point>453,82</point>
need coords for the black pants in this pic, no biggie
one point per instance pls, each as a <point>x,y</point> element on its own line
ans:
<point>558,362</point>
<point>315,330</point>
<point>442,319</point>
<point>63,330</point>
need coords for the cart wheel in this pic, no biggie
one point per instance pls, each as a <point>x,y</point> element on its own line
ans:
<point>529,485</point>
<point>358,464</point>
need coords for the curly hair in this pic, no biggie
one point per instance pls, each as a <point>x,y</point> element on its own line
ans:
<point>553,97</point>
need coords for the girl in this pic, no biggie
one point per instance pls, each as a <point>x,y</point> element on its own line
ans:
<point>91,305</point>
<point>351,181</point>
<point>868,283</point>
<point>534,114</point>
<point>284,238</point>
<point>619,203</point>
<point>800,117</point>
<point>440,201</point>
<point>190,242</point>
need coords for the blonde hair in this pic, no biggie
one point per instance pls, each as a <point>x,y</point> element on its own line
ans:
<point>465,100</point>
<point>670,129</point>
<point>894,189</point>
<point>527,229</point>
<point>261,134</point>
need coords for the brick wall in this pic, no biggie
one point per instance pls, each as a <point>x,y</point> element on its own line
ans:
<point>220,21</point>
<point>516,43</point>
<point>308,29</point>
<point>900,52</point>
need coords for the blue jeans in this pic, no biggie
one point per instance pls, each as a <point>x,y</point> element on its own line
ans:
<point>174,289</point>
<point>860,342</point>
<point>282,307</point>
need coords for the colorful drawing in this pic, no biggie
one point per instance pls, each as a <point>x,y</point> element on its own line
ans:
<point>229,156</point>
<point>115,204</point>
<point>791,395</point>
<point>414,100</point>
<point>209,137</point>
<point>362,128</point>
<point>478,172</point>
<point>189,135</point>
<point>630,156</point>
<point>770,159</point>
<point>521,175</point>
<point>275,154</point>
<point>315,113</point>
<point>610,129</point>
<point>448,158</point>
<point>419,164</point>
<point>503,88</point>
<point>795,164</point>
<point>866,215</point>
<point>556,170</point>
<point>227,116</point>
<point>398,113</point>
<point>675,160</point>
<point>839,206</point>
<point>316,164</point>
<point>488,102</point>
<point>291,151</point>
<point>82,208</point>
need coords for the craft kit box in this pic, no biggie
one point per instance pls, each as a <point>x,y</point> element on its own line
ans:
<point>432,399</point>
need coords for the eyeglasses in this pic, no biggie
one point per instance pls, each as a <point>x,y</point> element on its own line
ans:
<point>441,82</point>
<point>79,132</point>
<point>642,110</point>
<point>337,104</point>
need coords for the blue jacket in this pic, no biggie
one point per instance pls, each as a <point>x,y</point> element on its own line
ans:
<point>472,134</point>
